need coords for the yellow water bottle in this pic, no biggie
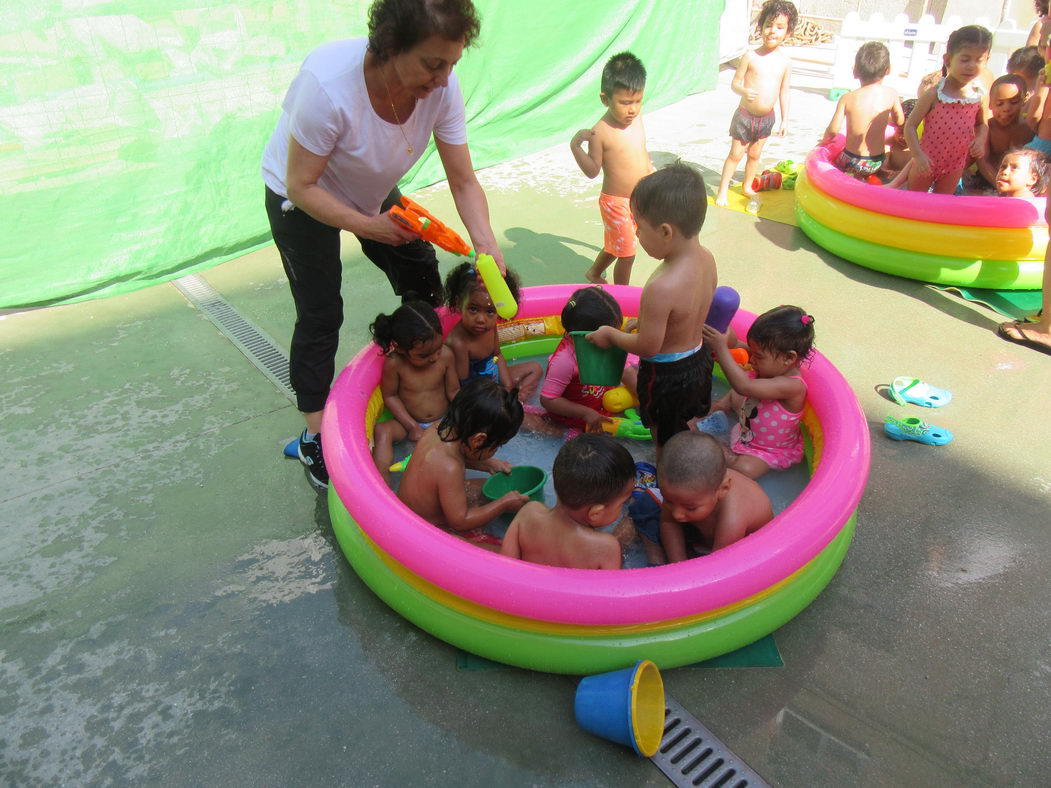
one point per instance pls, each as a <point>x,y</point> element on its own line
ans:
<point>499,292</point>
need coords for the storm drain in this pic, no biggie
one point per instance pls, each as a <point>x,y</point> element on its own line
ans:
<point>251,340</point>
<point>691,755</point>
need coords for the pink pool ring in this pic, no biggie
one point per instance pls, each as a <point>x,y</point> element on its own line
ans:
<point>580,621</point>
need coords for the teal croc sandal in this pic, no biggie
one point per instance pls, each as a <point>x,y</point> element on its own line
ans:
<point>905,389</point>
<point>916,429</point>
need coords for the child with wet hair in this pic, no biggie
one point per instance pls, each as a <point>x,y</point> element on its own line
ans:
<point>1023,173</point>
<point>768,400</point>
<point>482,417</point>
<point>419,376</point>
<point>593,477</point>
<point>474,341</point>
<point>700,497</point>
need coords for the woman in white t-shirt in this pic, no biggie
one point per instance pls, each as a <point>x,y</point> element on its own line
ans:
<point>357,116</point>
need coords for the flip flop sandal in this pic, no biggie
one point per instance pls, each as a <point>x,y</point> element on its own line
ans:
<point>1023,339</point>
<point>916,429</point>
<point>905,389</point>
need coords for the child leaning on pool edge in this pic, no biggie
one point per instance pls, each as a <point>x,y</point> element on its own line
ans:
<point>617,149</point>
<point>698,493</point>
<point>761,81</point>
<point>675,371</point>
<point>593,477</point>
<point>482,417</point>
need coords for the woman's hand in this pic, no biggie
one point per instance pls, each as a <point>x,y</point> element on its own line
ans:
<point>493,251</point>
<point>386,229</point>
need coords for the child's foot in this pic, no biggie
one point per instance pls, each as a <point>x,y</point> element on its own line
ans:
<point>721,199</point>
<point>310,455</point>
<point>594,277</point>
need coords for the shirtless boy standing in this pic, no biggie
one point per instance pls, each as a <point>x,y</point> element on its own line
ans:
<point>675,371</point>
<point>760,81</point>
<point>867,111</point>
<point>617,149</point>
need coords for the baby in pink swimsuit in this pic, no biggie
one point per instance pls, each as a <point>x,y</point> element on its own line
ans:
<point>769,399</point>
<point>953,115</point>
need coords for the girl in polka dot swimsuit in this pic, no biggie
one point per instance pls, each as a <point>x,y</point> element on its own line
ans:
<point>953,115</point>
<point>769,399</point>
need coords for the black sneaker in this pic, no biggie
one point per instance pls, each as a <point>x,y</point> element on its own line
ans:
<point>310,455</point>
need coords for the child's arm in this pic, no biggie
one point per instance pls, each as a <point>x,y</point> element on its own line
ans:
<point>452,383</point>
<point>653,324</point>
<point>673,540</point>
<point>590,163</point>
<point>510,546</point>
<point>786,94</point>
<point>389,389</point>
<point>1035,109</point>
<point>897,112</point>
<point>501,366</point>
<point>981,131</point>
<point>919,112</point>
<point>781,388</point>
<point>461,356</point>
<point>737,84</point>
<point>461,517</point>
<point>836,123</point>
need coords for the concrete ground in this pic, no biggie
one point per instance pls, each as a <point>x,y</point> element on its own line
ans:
<point>175,609</point>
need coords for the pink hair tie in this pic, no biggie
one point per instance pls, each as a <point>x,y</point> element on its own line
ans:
<point>806,320</point>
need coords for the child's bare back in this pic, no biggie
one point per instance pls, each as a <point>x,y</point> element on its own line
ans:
<point>425,392</point>
<point>867,111</point>
<point>683,287</point>
<point>548,536</point>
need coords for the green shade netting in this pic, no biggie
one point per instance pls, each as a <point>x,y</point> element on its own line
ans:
<point>131,132</point>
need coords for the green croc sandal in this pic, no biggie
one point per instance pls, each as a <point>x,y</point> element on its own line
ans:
<point>916,429</point>
<point>905,389</point>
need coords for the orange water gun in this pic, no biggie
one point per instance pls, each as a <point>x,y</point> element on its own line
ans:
<point>431,228</point>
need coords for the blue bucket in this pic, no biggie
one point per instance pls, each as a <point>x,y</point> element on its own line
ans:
<point>625,706</point>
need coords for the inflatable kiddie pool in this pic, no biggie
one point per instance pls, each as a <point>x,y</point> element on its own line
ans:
<point>590,621</point>
<point>990,242</point>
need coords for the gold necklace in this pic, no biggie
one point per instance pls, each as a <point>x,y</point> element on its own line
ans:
<point>408,147</point>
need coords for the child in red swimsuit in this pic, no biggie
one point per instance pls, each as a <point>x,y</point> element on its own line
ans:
<point>953,115</point>
<point>568,402</point>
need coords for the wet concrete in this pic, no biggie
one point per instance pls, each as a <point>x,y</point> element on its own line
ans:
<point>174,608</point>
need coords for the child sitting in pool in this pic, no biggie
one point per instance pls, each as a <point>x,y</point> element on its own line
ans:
<point>419,376</point>
<point>474,341</point>
<point>593,476</point>
<point>1006,131</point>
<point>953,115</point>
<point>1022,173</point>
<point>769,399</point>
<point>867,112</point>
<point>699,494</point>
<point>570,403</point>
<point>482,417</point>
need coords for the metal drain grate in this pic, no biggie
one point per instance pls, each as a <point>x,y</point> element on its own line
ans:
<point>691,755</point>
<point>251,340</point>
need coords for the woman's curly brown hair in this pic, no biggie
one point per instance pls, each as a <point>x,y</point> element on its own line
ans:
<point>396,26</point>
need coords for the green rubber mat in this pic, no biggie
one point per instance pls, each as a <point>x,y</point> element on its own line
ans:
<point>1016,304</point>
<point>761,654</point>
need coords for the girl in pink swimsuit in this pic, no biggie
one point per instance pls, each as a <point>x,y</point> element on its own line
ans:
<point>769,399</point>
<point>953,115</point>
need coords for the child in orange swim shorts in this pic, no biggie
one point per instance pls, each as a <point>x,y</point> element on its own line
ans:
<point>617,149</point>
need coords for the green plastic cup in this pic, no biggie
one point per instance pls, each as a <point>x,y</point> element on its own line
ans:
<point>526,479</point>
<point>598,366</point>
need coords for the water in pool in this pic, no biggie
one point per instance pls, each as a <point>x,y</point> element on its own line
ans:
<point>528,448</point>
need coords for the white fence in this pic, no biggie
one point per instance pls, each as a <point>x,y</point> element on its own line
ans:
<point>916,48</point>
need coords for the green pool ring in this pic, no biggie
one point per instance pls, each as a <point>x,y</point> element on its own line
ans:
<point>993,274</point>
<point>584,654</point>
